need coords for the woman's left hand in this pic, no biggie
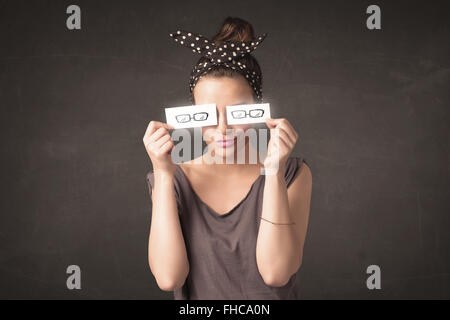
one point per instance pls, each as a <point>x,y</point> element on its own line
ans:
<point>279,149</point>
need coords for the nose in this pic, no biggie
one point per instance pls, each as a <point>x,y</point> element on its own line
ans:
<point>222,123</point>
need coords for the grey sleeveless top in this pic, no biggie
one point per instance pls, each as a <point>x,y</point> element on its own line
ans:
<point>221,248</point>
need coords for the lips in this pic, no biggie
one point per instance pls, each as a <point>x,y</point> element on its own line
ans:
<point>224,143</point>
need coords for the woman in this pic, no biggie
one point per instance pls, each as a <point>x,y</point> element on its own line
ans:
<point>225,231</point>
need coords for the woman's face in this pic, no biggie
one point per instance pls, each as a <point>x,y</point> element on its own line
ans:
<point>223,91</point>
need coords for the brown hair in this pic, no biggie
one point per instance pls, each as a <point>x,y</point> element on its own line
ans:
<point>233,29</point>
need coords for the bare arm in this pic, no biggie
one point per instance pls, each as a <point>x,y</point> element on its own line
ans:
<point>279,248</point>
<point>166,248</point>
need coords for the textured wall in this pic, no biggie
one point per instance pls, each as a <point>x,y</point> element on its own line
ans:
<point>371,108</point>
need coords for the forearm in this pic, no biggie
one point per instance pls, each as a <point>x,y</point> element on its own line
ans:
<point>167,251</point>
<point>276,248</point>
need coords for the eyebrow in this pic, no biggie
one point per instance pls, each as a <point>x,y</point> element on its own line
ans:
<point>243,102</point>
<point>236,104</point>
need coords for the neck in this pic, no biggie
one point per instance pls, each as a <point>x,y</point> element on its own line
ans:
<point>232,165</point>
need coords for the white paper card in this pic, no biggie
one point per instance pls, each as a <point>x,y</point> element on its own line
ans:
<point>248,113</point>
<point>192,116</point>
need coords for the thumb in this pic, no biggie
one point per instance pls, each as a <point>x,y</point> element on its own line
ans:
<point>271,123</point>
<point>168,126</point>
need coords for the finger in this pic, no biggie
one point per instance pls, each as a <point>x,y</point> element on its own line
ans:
<point>270,123</point>
<point>289,136</point>
<point>150,129</point>
<point>146,142</point>
<point>286,138</point>
<point>285,145</point>
<point>167,147</point>
<point>283,137</point>
<point>275,121</point>
<point>158,134</point>
<point>152,139</point>
<point>154,125</point>
<point>279,131</point>
<point>271,126</point>
<point>284,123</point>
<point>274,140</point>
<point>286,126</point>
<point>162,140</point>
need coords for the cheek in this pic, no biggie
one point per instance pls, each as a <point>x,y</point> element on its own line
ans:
<point>243,127</point>
<point>207,134</point>
<point>242,130</point>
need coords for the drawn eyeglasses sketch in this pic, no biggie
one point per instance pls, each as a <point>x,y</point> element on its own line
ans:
<point>241,114</point>
<point>199,116</point>
<point>206,115</point>
<point>192,116</point>
<point>247,113</point>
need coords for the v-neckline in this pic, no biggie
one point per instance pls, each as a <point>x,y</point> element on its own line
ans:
<point>214,212</point>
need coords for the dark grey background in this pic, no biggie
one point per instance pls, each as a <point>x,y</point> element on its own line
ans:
<point>371,108</point>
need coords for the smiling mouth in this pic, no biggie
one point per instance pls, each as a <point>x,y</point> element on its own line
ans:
<point>224,143</point>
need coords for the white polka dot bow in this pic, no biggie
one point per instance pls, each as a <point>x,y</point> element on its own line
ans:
<point>227,54</point>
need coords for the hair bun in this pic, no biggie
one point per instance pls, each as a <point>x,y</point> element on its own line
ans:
<point>234,29</point>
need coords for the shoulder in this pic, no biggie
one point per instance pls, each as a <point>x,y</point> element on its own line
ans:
<point>300,189</point>
<point>185,166</point>
<point>297,169</point>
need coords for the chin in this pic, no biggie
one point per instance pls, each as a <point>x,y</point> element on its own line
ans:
<point>229,154</point>
<point>225,153</point>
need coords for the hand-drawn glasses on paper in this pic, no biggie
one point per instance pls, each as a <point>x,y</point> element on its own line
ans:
<point>199,116</point>
<point>206,115</point>
<point>241,114</point>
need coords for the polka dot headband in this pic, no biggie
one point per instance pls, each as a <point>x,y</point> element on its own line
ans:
<point>227,54</point>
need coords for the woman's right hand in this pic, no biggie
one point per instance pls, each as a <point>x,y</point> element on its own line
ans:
<point>159,145</point>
